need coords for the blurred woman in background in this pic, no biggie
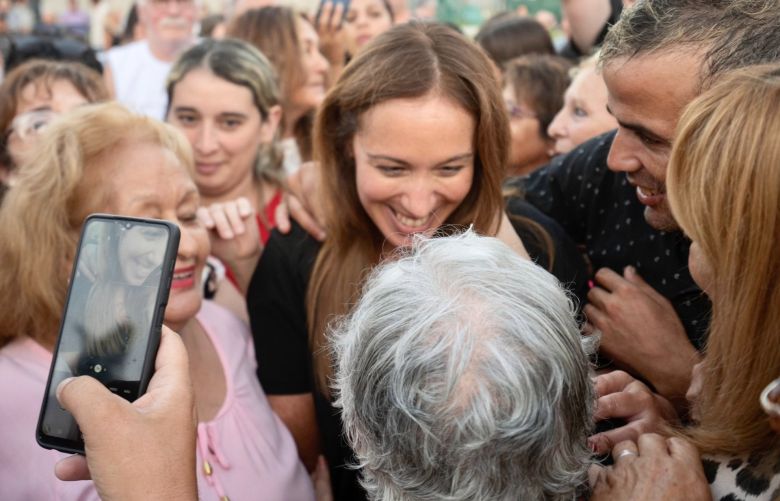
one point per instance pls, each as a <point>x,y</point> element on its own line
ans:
<point>31,96</point>
<point>364,20</point>
<point>291,43</point>
<point>584,113</point>
<point>507,36</point>
<point>533,93</point>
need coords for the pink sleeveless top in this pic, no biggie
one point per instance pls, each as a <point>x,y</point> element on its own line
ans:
<point>250,453</point>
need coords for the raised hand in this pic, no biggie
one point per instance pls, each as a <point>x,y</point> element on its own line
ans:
<point>641,332</point>
<point>235,237</point>
<point>139,450</point>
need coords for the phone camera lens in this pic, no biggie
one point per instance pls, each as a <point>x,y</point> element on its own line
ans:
<point>97,368</point>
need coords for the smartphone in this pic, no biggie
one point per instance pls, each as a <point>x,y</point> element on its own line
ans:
<point>110,328</point>
<point>345,10</point>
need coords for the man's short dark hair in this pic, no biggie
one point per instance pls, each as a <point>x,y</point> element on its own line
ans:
<point>729,33</point>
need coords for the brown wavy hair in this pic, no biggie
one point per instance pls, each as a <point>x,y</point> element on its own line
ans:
<point>408,61</point>
<point>55,190</point>
<point>507,36</point>
<point>273,30</point>
<point>724,191</point>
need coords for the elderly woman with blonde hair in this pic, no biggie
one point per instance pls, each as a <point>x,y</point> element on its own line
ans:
<point>103,158</point>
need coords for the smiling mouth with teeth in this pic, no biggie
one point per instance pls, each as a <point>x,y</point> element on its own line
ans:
<point>184,278</point>
<point>649,192</point>
<point>412,223</point>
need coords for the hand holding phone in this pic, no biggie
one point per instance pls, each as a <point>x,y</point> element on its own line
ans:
<point>156,442</point>
<point>111,325</point>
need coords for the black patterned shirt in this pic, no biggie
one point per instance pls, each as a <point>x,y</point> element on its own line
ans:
<point>600,211</point>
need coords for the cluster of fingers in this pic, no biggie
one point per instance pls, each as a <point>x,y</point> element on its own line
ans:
<point>653,445</point>
<point>622,397</point>
<point>227,218</point>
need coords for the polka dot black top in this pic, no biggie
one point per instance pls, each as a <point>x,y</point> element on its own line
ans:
<point>600,211</point>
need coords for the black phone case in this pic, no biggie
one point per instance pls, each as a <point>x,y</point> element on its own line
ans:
<point>169,262</point>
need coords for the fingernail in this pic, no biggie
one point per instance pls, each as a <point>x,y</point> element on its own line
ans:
<point>630,269</point>
<point>62,385</point>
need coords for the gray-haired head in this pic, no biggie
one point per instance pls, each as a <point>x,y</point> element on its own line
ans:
<point>461,374</point>
<point>728,34</point>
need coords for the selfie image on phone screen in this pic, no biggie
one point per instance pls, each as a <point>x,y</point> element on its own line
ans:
<point>114,309</point>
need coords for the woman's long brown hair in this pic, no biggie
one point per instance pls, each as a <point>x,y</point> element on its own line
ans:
<point>409,61</point>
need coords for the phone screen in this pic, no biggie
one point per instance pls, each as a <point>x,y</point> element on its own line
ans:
<point>110,328</point>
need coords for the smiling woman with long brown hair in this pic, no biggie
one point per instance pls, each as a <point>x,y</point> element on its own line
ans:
<point>401,153</point>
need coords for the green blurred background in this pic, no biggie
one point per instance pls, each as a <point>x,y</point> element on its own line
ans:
<point>471,13</point>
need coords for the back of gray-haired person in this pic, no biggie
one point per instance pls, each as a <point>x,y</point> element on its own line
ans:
<point>461,374</point>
